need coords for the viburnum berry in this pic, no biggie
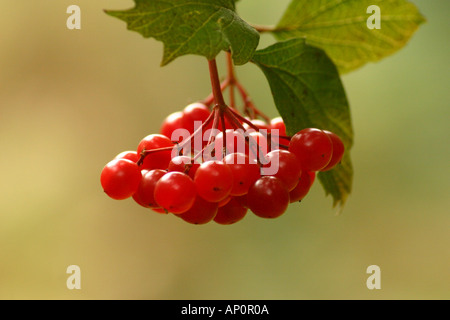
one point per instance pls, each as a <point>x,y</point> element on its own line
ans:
<point>224,201</point>
<point>179,163</point>
<point>173,122</point>
<point>278,123</point>
<point>195,112</point>
<point>258,146</point>
<point>129,155</point>
<point>268,197</point>
<point>235,143</point>
<point>120,178</point>
<point>156,160</point>
<point>303,186</point>
<point>201,212</point>
<point>242,200</point>
<point>260,124</point>
<point>159,210</point>
<point>287,166</point>
<point>338,150</point>
<point>183,164</point>
<point>231,213</point>
<point>175,192</point>
<point>312,147</point>
<point>214,181</point>
<point>144,196</point>
<point>245,172</point>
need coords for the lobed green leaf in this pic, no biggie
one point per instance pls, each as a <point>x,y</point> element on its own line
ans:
<point>201,27</point>
<point>308,93</point>
<point>340,28</point>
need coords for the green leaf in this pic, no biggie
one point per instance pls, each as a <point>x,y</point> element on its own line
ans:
<point>340,28</point>
<point>308,93</point>
<point>201,27</point>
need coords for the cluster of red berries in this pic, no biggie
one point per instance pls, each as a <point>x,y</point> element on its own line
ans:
<point>229,181</point>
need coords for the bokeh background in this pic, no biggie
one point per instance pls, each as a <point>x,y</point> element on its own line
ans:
<point>70,100</point>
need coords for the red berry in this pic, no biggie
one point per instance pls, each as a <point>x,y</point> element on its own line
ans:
<point>120,178</point>
<point>201,212</point>
<point>145,193</point>
<point>129,155</point>
<point>278,123</point>
<point>195,112</point>
<point>287,166</point>
<point>235,143</point>
<point>160,210</point>
<point>231,213</point>
<point>245,172</point>
<point>268,197</point>
<point>260,124</point>
<point>257,146</point>
<point>304,185</point>
<point>175,192</point>
<point>173,122</point>
<point>242,200</point>
<point>156,160</point>
<point>214,181</point>
<point>184,164</point>
<point>338,150</point>
<point>312,147</point>
<point>224,202</point>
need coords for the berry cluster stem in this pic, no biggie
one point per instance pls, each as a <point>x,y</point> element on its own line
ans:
<point>231,83</point>
<point>215,83</point>
<point>221,112</point>
<point>231,80</point>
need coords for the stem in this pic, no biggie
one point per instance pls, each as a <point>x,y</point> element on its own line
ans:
<point>249,107</point>
<point>145,153</point>
<point>199,130</point>
<point>234,118</point>
<point>220,105</point>
<point>215,83</point>
<point>242,119</point>
<point>231,75</point>
<point>232,98</point>
<point>264,29</point>
<point>221,110</point>
<point>268,136</point>
<point>200,153</point>
<point>179,147</point>
<point>283,137</point>
<point>231,79</point>
<point>215,125</point>
<point>209,100</point>
<point>222,119</point>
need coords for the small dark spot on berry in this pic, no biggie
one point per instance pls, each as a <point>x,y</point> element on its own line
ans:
<point>216,189</point>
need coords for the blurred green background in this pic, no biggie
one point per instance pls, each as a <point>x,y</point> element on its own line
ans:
<point>72,100</point>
